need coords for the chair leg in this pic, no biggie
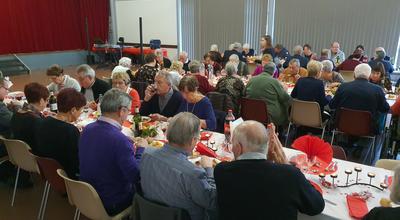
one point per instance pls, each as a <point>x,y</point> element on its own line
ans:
<point>372,151</point>
<point>333,136</point>
<point>42,202</point>
<point>45,201</point>
<point>77,214</point>
<point>287,134</point>
<point>15,187</point>
<point>323,133</point>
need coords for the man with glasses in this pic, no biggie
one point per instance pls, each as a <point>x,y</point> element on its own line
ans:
<point>92,87</point>
<point>107,158</point>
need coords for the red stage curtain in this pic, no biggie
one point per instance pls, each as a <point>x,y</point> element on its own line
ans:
<point>51,25</point>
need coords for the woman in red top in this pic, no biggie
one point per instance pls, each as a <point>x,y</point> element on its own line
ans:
<point>120,80</point>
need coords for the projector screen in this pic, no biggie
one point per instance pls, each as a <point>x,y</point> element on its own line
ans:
<point>159,20</point>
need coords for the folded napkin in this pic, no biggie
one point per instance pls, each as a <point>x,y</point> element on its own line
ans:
<point>205,136</point>
<point>357,207</point>
<point>204,150</point>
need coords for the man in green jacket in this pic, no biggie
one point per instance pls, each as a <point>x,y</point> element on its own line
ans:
<point>265,87</point>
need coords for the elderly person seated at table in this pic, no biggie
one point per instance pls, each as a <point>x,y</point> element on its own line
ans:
<point>242,69</point>
<point>57,138</point>
<point>235,48</point>
<point>378,77</point>
<point>272,190</point>
<point>266,58</point>
<point>59,80</point>
<point>121,81</point>
<point>6,111</point>
<point>247,51</point>
<point>363,58</point>
<point>168,177</point>
<point>161,99</point>
<point>25,121</point>
<point>124,65</point>
<point>92,87</point>
<point>212,67</point>
<point>108,160</point>
<point>310,88</point>
<point>336,54</point>
<point>293,72</point>
<point>364,96</point>
<point>215,54</point>
<point>297,54</point>
<point>196,103</point>
<point>271,90</point>
<point>162,62</point>
<point>177,72</point>
<point>148,71</point>
<point>351,63</point>
<point>184,58</point>
<point>204,86</point>
<point>388,213</point>
<point>232,86</point>
<point>380,54</point>
<point>329,77</point>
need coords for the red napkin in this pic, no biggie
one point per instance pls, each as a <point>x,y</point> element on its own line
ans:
<point>205,136</point>
<point>314,146</point>
<point>204,150</point>
<point>316,186</point>
<point>357,207</point>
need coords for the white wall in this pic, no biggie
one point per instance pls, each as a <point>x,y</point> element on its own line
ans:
<point>159,20</point>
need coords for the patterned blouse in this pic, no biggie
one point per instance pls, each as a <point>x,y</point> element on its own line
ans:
<point>146,74</point>
<point>232,86</point>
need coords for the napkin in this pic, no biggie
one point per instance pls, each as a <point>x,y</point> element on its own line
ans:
<point>204,137</point>
<point>234,124</point>
<point>204,150</point>
<point>357,207</point>
<point>314,146</point>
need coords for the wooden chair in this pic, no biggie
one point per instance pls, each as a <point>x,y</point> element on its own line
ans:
<point>307,114</point>
<point>387,164</point>
<point>354,123</point>
<point>348,76</point>
<point>87,201</point>
<point>254,109</point>
<point>338,152</point>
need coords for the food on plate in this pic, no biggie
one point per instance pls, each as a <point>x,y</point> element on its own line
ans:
<point>392,96</point>
<point>385,202</point>
<point>156,144</point>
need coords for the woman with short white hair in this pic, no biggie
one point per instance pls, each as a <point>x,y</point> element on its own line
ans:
<point>329,77</point>
<point>214,54</point>
<point>247,51</point>
<point>231,85</point>
<point>242,69</point>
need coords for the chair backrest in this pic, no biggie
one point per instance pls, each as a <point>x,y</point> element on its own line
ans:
<point>306,113</point>
<point>155,43</point>
<point>84,197</point>
<point>48,170</point>
<point>140,88</point>
<point>387,164</point>
<point>145,209</point>
<point>220,101</point>
<point>354,122</point>
<point>338,152</point>
<point>19,154</point>
<point>254,109</point>
<point>348,76</point>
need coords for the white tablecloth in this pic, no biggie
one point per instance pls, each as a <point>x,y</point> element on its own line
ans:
<point>336,195</point>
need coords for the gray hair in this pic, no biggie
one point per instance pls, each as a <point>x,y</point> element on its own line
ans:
<point>327,66</point>
<point>182,128</point>
<point>214,47</point>
<point>298,49</point>
<point>167,76</point>
<point>237,46</point>
<point>194,66</point>
<point>231,46</point>
<point>86,70</point>
<point>234,58</point>
<point>395,194</point>
<point>183,53</point>
<point>380,52</point>
<point>230,68</point>
<point>125,62</point>
<point>114,100</point>
<point>246,45</point>
<point>252,135</point>
<point>325,52</point>
<point>294,60</point>
<point>362,71</point>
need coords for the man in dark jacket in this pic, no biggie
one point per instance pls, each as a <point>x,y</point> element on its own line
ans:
<point>92,87</point>
<point>253,188</point>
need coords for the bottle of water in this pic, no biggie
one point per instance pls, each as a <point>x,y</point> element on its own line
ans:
<point>99,103</point>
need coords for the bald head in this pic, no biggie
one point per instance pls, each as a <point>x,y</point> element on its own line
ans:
<point>251,136</point>
<point>335,47</point>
